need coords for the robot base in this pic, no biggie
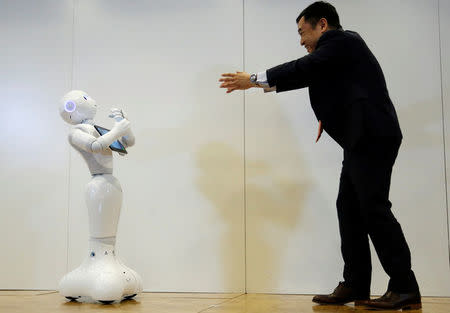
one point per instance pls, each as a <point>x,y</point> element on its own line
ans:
<point>102,277</point>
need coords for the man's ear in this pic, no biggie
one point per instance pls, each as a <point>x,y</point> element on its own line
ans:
<point>323,23</point>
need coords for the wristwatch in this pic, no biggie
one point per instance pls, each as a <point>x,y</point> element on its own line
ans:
<point>253,79</point>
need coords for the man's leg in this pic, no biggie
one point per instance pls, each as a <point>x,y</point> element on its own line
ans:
<point>354,236</point>
<point>370,168</point>
<point>354,246</point>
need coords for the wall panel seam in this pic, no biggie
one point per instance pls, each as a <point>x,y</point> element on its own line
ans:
<point>443,129</point>
<point>74,3</point>
<point>244,151</point>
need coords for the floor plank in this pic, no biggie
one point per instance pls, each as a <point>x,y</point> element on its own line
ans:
<point>51,301</point>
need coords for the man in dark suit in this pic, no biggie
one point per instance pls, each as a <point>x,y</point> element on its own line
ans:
<point>350,100</point>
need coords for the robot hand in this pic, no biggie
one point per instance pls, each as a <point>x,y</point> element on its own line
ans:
<point>117,114</point>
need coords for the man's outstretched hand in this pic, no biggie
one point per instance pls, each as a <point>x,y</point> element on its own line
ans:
<point>238,81</point>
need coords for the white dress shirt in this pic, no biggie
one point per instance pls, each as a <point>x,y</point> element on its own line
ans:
<point>261,80</point>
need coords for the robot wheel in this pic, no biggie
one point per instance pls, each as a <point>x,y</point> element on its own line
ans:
<point>72,298</point>
<point>106,301</point>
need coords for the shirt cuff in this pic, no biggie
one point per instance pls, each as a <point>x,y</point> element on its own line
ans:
<point>261,79</point>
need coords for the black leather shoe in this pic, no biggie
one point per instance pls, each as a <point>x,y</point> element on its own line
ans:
<point>341,295</point>
<point>397,301</point>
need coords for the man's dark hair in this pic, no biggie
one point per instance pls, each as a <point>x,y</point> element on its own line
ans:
<point>321,9</point>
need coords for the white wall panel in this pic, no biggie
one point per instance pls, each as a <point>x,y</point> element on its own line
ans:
<point>292,239</point>
<point>35,62</point>
<point>182,225</point>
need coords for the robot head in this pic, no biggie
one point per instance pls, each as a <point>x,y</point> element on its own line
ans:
<point>76,106</point>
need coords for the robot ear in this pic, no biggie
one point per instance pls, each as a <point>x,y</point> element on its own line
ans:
<point>70,106</point>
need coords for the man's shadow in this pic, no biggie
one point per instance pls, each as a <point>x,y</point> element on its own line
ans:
<point>271,189</point>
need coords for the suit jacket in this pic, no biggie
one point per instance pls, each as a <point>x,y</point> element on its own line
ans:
<point>347,88</point>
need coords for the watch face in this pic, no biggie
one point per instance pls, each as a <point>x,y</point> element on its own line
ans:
<point>253,78</point>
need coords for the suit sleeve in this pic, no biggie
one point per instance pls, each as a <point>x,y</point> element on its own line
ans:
<point>299,73</point>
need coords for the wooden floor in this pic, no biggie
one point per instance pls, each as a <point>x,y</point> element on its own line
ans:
<point>52,302</point>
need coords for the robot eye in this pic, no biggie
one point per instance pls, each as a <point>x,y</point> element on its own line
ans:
<point>85,98</point>
<point>70,106</point>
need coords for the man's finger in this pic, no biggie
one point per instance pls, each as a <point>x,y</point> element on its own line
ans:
<point>228,74</point>
<point>227,85</point>
<point>226,79</point>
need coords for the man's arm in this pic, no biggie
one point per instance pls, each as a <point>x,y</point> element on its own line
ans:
<point>290,75</point>
<point>299,73</point>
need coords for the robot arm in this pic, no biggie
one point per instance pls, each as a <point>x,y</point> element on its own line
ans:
<point>81,139</point>
<point>118,131</point>
<point>128,138</point>
<point>89,143</point>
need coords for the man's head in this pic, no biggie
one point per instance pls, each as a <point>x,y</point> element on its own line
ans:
<point>313,21</point>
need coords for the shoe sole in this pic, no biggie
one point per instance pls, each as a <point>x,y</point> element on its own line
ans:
<point>357,302</point>
<point>407,307</point>
<point>415,306</point>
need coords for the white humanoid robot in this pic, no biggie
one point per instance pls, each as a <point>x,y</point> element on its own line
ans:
<point>102,276</point>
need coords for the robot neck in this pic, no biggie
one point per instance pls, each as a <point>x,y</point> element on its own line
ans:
<point>88,121</point>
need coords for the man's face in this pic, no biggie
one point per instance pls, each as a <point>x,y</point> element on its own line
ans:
<point>309,35</point>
